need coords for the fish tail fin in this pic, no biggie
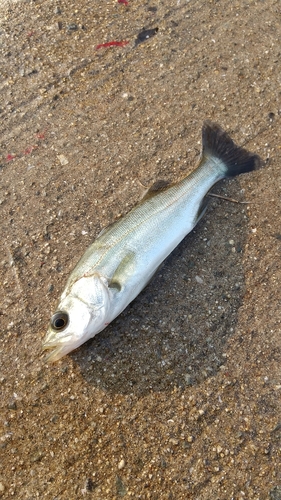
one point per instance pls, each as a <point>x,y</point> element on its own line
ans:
<point>231,159</point>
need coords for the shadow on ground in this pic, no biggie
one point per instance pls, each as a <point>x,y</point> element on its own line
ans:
<point>175,332</point>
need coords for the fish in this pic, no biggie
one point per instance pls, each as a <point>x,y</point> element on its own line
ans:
<point>125,256</point>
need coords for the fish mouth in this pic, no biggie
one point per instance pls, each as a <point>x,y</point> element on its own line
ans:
<point>60,349</point>
<point>57,353</point>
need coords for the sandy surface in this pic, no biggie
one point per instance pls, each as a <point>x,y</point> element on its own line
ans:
<point>180,397</point>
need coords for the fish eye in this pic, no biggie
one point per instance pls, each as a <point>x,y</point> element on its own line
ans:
<point>59,321</point>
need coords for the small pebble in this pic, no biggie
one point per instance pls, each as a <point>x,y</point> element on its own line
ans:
<point>121,464</point>
<point>188,379</point>
<point>63,160</point>
<point>174,441</point>
<point>72,27</point>
<point>120,487</point>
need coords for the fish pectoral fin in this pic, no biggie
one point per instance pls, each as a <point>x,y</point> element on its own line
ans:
<point>123,271</point>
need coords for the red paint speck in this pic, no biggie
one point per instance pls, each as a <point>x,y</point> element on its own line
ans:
<point>125,2</point>
<point>10,157</point>
<point>114,43</point>
<point>27,151</point>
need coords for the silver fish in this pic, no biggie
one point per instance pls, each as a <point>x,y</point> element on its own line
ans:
<point>125,256</point>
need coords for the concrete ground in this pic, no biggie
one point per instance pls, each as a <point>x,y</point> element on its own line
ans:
<point>179,398</point>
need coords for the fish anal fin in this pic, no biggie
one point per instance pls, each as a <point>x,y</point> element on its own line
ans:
<point>124,270</point>
<point>202,209</point>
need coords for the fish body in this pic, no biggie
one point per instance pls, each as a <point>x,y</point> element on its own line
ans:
<point>125,256</point>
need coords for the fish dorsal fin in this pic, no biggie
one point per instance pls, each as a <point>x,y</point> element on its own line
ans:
<point>124,270</point>
<point>107,228</point>
<point>155,188</point>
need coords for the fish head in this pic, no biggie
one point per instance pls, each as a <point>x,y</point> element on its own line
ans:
<point>81,314</point>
